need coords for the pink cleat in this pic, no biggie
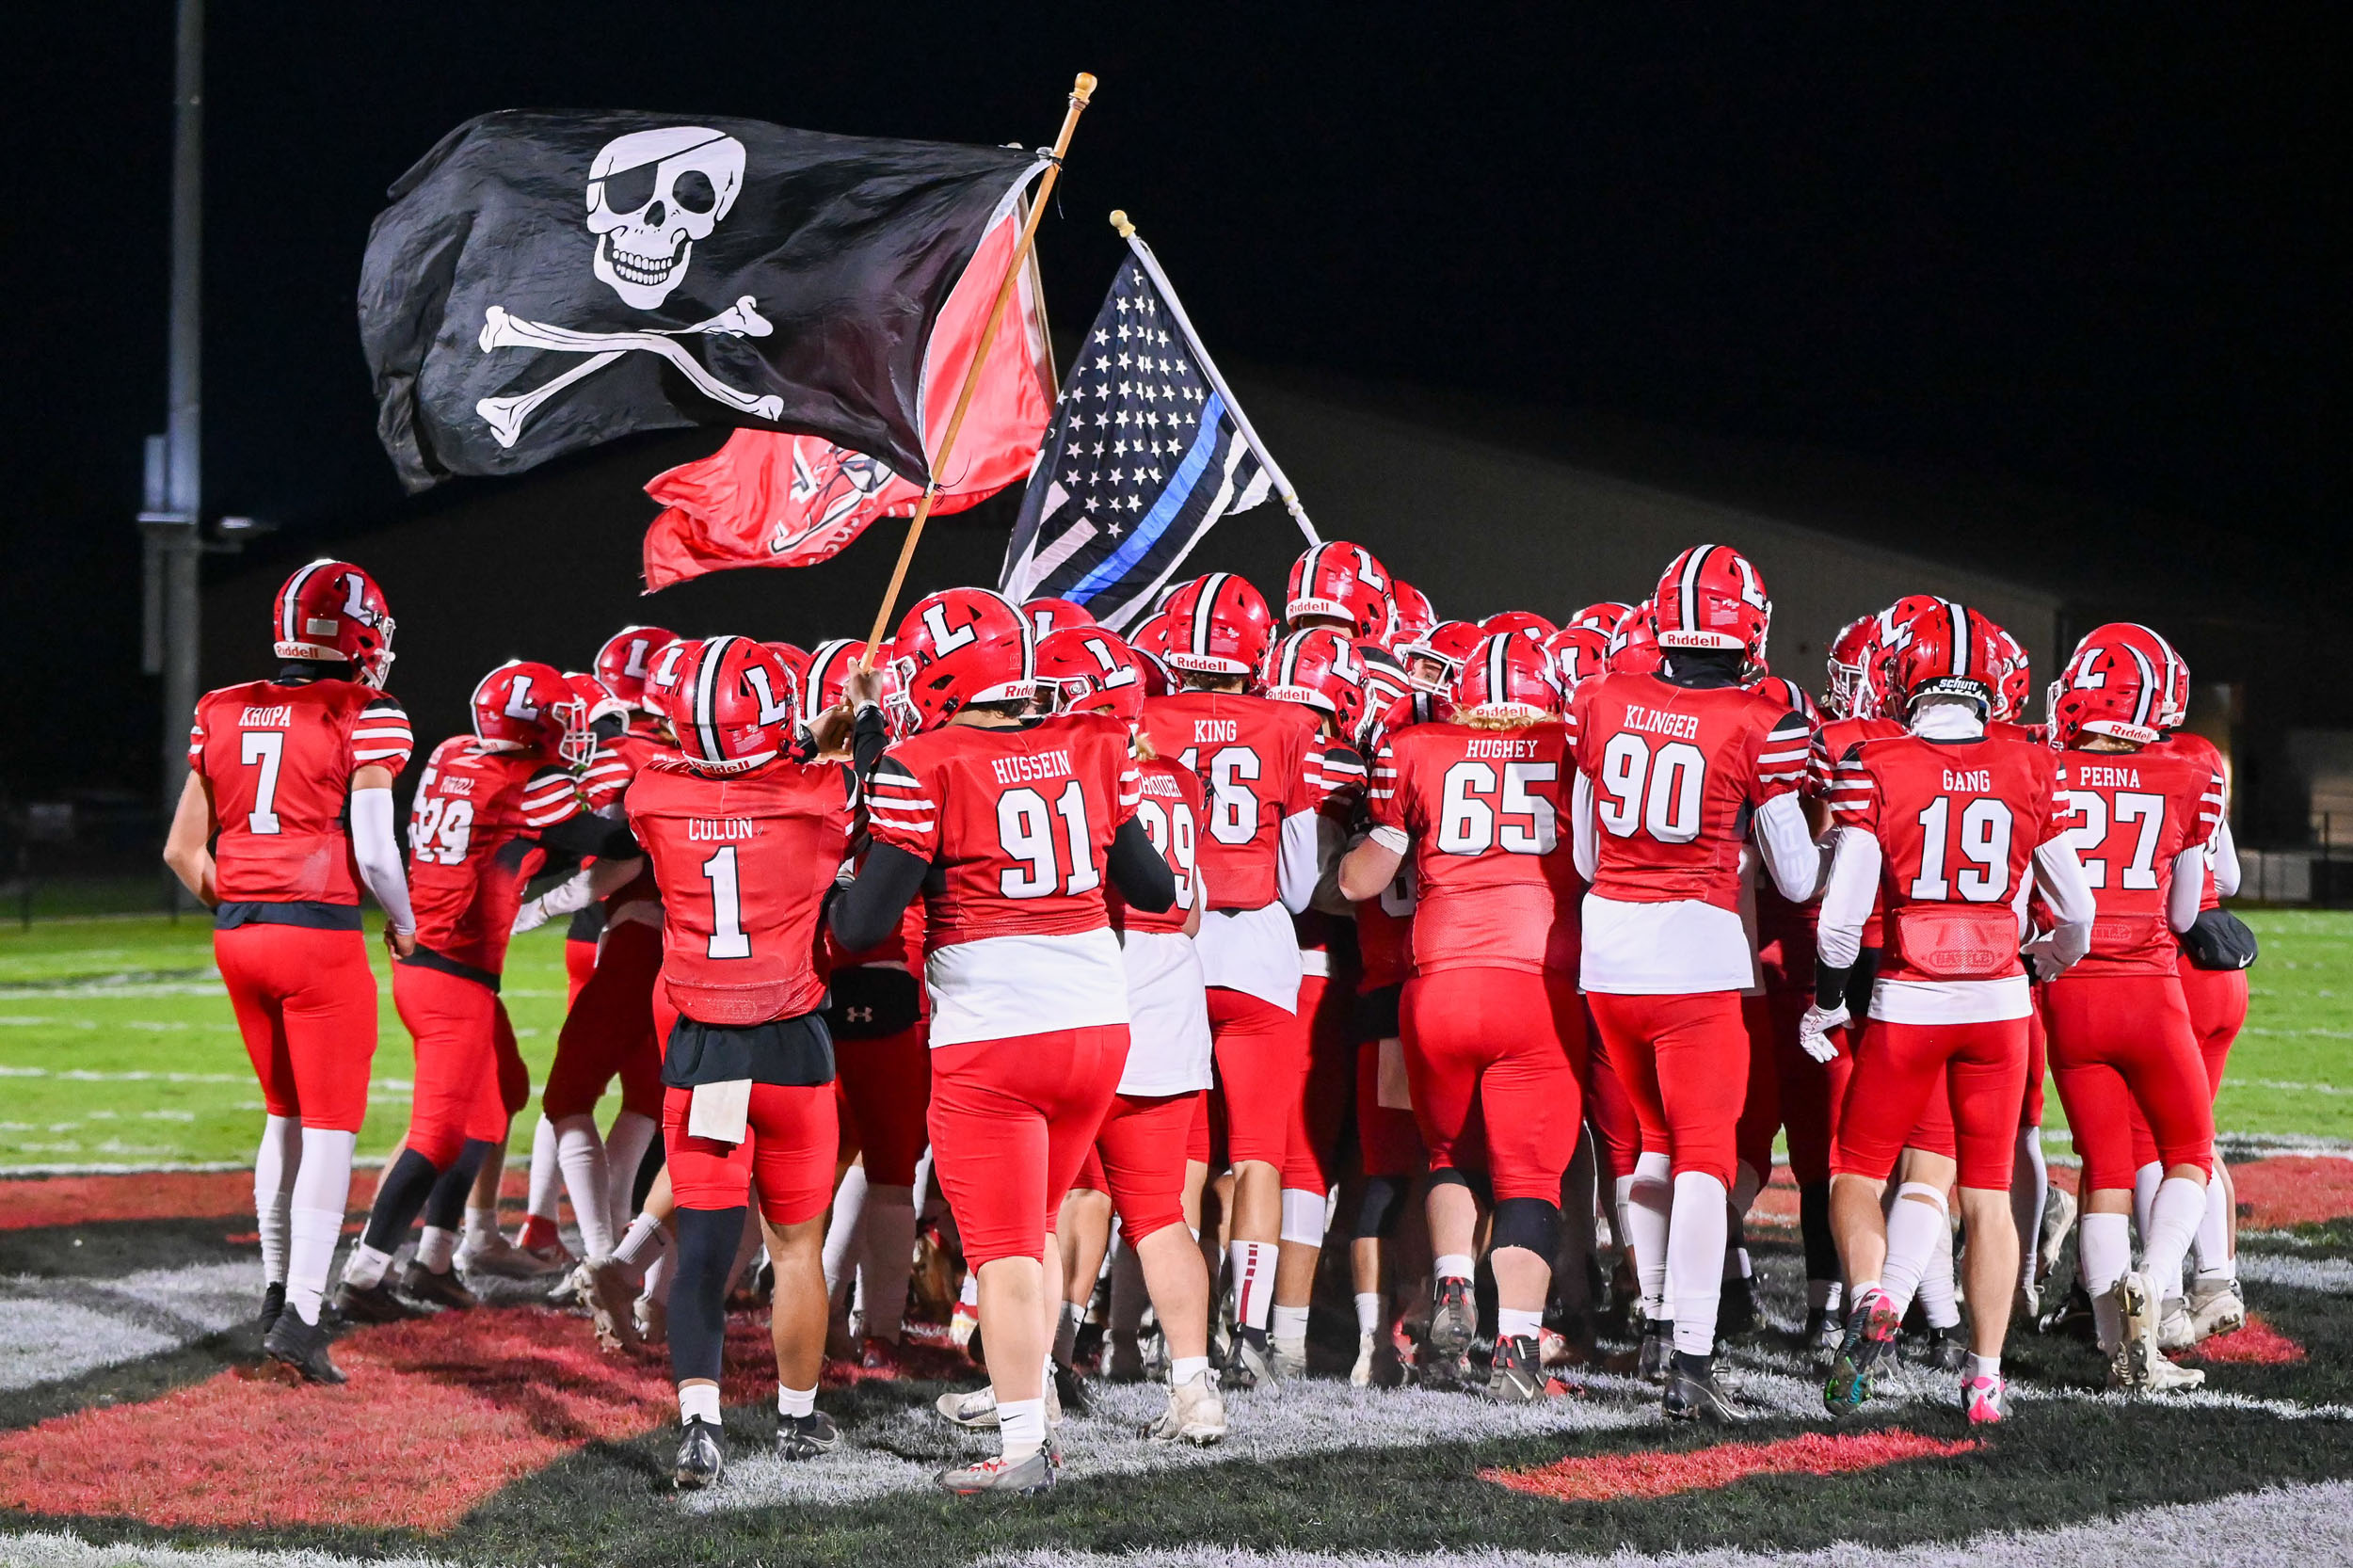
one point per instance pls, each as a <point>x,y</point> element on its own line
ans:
<point>1986,1400</point>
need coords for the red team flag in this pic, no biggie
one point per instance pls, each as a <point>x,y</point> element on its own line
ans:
<point>769,500</point>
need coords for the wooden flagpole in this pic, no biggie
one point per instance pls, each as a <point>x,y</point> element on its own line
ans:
<point>1081,91</point>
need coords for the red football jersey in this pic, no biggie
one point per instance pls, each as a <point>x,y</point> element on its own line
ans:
<point>279,760</point>
<point>1487,811</point>
<point>470,853</point>
<point>2130,813</point>
<point>1833,741</point>
<point>1677,773</point>
<point>1256,761</point>
<point>607,780</point>
<point>1957,825</point>
<point>1169,809</point>
<point>743,863</point>
<point>1385,934</point>
<point>2202,750</point>
<point>1017,822</point>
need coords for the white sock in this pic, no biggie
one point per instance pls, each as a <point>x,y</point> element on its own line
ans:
<point>1912,1224</point>
<point>889,1261</point>
<point>1067,1331</point>
<point>547,1176</point>
<point>274,1166</point>
<point>2029,1190</point>
<point>624,1151</point>
<point>363,1270</point>
<point>1129,1296</point>
<point>1286,1326</point>
<point>2174,1218</point>
<point>2215,1261</point>
<point>2146,1179</point>
<point>698,1403</point>
<point>1513,1324</point>
<point>1184,1369</point>
<point>1650,1203</point>
<point>796,1401</point>
<point>1454,1265</point>
<point>436,1247</point>
<point>1621,1201</point>
<point>645,1241</point>
<point>658,1275</point>
<point>1821,1295</point>
<point>1253,1263</point>
<point>1984,1365</point>
<point>1368,1313</point>
<point>481,1224</point>
<point>968,1296</point>
<point>2104,1254</point>
<point>844,1231</point>
<point>581,1153</point>
<point>322,1190</point>
<point>1939,1300</point>
<point>1695,1259</point>
<point>1021,1427</point>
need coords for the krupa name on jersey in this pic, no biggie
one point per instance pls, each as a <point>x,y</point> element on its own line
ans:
<point>1683,727</point>
<point>267,718</point>
<point>1023,767</point>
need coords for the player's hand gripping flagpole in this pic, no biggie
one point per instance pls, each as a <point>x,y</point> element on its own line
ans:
<point>1209,370</point>
<point>1081,92</point>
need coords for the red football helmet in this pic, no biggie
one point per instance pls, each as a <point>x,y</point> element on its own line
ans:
<point>1507,676</point>
<point>1602,616</point>
<point>332,610</point>
<point>1579,653</point>
<point>1790,696</point>
<point>1526,622</point>
<point>1318,668</point>
<point>1342,584</point>
<point>735,706</point>
<point>960,647</point>
<point>2173,670</point>
<point>1949,651</point>
<point>1218,625</point>
<point>1634,643</point>
<point>1710,597</point>
<point>1090,669</point>
<point>585,702</point>
<point>524,706</point>
<point>1411,614</point>
<point>1053,615</point>
<point>658,692</point>
<point>1385,681</point>
<point>1852,655</point>
<point>1431,660</point>
<point>2116,691</point>
<point>2017,688</point>
<point>627,657</point>
<point>795,656</point>
<point>821,683</point>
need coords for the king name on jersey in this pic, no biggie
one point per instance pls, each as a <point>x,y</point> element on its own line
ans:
<point>1023,767</point>
<point>1215,732</point>
<point>1683,727</point>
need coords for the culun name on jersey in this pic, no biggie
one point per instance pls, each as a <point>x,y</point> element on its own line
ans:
<point>1683,727</point>
<point>1023,767</point>
<point>719,830</point>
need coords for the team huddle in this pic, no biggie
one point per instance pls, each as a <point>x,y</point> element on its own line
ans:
<point>1094,957</point>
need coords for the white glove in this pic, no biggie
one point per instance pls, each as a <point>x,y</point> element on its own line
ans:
<point>567,896</point>
<point>2046,964</point>
<point>533,913</point>
<point>1814,1030</point>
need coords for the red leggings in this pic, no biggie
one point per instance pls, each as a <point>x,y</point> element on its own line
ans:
<point>305,1002</point>
<point>788,1150</point>
<point>2216,999</point>
<point>1139,1159</point>
<point>1387,1141</point>
<point>464,1047</point>
<point>2123,1044</point>
<point>609,1032</point>
<point>1810,1092</point>
<point>1978,1070</point>
<point>1511,1041</point>
<point>885,1085</point>
<point>1683,1062</point>
<point>1311,1155</point>
<point>1011,1123</point>
<point>1760,1103</point>
<point>1261,1055</point>
<point>580,961</point>
<point>1617,1132</point>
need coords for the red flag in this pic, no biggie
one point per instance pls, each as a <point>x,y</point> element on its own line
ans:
<point>768,500</point>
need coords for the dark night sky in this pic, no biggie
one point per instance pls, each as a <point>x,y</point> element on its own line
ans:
<point>2098,251</point>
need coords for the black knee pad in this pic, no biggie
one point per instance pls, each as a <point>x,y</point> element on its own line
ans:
<point>445,1206</point>
<point>706,1241</point>
<point>1822,1247</point>
<point>399,1198</point>
<point>1382,1206</point>
<point>1529,1223</point>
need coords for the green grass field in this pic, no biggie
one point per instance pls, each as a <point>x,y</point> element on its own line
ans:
<point>117,1044</point>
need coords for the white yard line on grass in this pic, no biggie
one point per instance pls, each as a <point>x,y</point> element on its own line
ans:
<point>60,1549</point>
<point>62,1328</point>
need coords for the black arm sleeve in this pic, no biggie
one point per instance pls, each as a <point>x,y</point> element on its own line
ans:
<point>868,739</point>
<point>1142,876</point>
<point>1830,986</point>
<point>865,912</point>
<point>588,834</point>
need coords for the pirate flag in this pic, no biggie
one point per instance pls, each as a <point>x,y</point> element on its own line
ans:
<point>544,281</point>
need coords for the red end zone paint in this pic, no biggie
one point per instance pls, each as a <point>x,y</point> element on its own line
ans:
<point>2293,1189</point>
<point>2258,1344</point>
<point>1609,1478</point>
<point>440,1414</point>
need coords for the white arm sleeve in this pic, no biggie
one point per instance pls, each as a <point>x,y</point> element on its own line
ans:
<point>1584,843</point>
<point>1779,829</point>
<point>2062,877</point>
<point>376,848</point>
<point>2223,855</point>
<point>1854,881</point>
<point>2189,888</point>
<point>1301,861</point>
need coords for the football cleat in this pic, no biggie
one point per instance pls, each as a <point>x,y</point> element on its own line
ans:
<point>503,1259</point>
<point>1070,1391</point>
<point>373,1303</point>
<point>2059,1218</point>
<point>1736,1309</point>
<point>881,1356</point>
<point>1367,1351</point>
<point>612,1302</point>
<point>1122,1358</point>
<point>2137,1303</point>
<point>699,1456</point>
<point>1195,1414</point>
<point>801,1437</point>
<point>1285,1365</point>
<point>974,1411</point>
<point>652,1317</point>
<point>1695,1396</point>
<point>292,1342</point>
<point>2176,1329</point>
<point>2217,1308</point>
<point>421,1284</point>
<point>1986,1400</point>
<point>1818,1341</point>
<point>1947,1349</point>
<point>273,1303</point>
<point>1249,1364</point>
<point>1516,1375</point>
<point>1453,1324</point>
<point>2027,1306</point>
<point>1656,1355</point>
<point>1869,1336</point>
<point>2131,1371</point>
<point>2071,1316</point>
<point>1034,1474</point>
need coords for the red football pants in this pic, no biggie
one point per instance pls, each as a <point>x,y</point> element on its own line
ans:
<point>787,1148</point>
<point>462,1038</point>
<point>1683,1062</point>
<point>1387,1141</point>
<point>1511,1041</point>
<point>305,1002</point>
<point>1760,1101</point>
<point>609,1030</point>
<point>580,961</point>
<point>2216,999</point>
<point>884,1086</point>
<point>1011,1122</point>
<point>1978,1069</point>
<point>2123,1042</point>
<point>1311,1155</point>
<point>1261,1055</point>
<point>1139,1159</point>
<point>2038,1061</point>
<point>1617,1133</point>
<point>1810,1092</point>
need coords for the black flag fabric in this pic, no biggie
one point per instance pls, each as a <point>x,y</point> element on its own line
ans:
<point>546,280</point>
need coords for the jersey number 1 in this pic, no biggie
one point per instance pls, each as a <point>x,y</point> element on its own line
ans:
<point>728,939</point>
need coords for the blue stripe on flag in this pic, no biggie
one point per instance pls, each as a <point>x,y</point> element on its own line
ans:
<point>1154,523</point>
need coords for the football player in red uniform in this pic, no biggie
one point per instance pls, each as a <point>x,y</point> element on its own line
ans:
<point>1432,659</point>
<point>1008,826</point>
<point>1411,614</point>
<point>1340,585</point>
<point>1634,643</point>
<point>286,815</point>
<point>488,807</point>
<point>1945,826</point>
<point>1048,615</point>
<point>1602,616</point>
<point>744,840</point>
<point>1491,1016</point>
<point>1256,761</point>
<point>1676,771</point>
<point>2120,1032</point>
